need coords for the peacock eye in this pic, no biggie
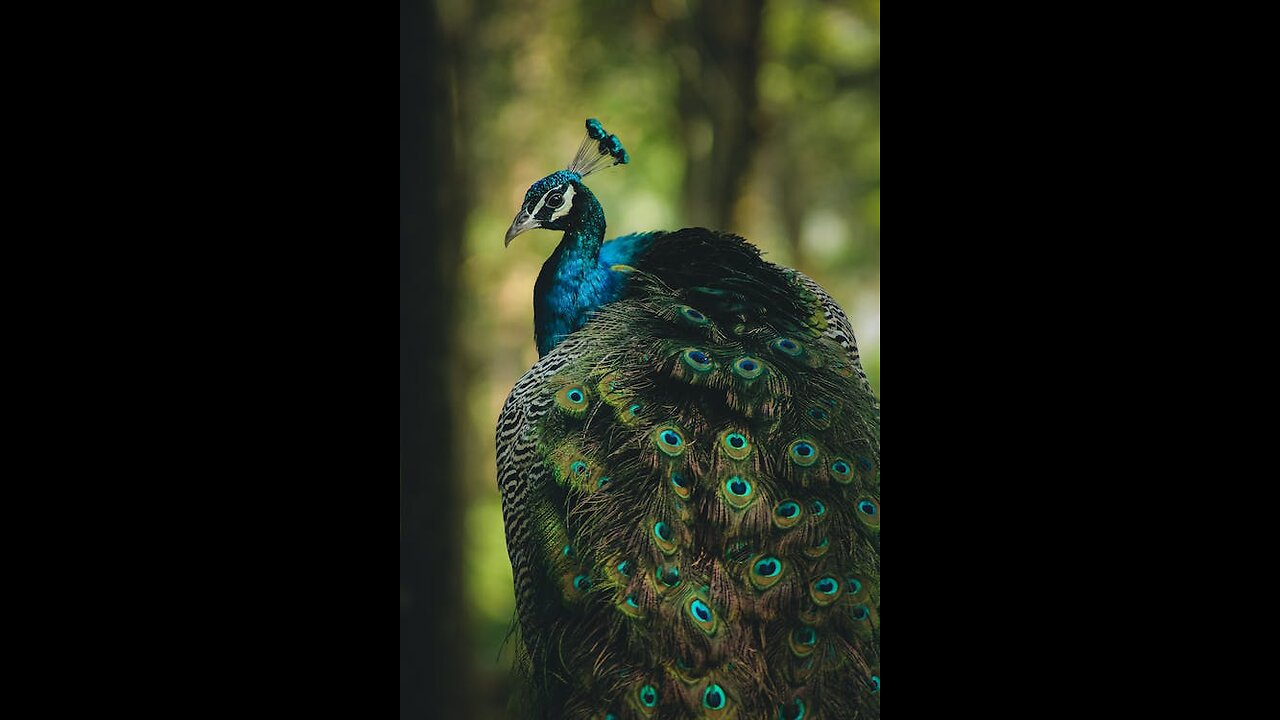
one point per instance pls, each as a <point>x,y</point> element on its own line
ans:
<point>555,199</point>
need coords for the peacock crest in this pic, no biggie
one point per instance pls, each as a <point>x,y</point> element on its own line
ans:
<point>690,477</point>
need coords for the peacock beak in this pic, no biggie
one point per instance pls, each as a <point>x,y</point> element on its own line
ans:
<point>524,221</point>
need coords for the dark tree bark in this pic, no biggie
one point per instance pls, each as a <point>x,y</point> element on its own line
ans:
<point>432,640</point>
<point>719,60</point>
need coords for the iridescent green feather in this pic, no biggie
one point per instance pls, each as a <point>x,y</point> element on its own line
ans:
<point>714,471</point>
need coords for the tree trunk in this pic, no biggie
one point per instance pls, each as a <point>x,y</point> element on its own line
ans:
<point>719,59</point>
<point>432,640</point>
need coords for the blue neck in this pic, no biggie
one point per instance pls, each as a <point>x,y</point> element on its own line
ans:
<point>573,281</point>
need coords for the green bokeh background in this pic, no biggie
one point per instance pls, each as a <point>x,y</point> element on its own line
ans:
<point>527,75</point>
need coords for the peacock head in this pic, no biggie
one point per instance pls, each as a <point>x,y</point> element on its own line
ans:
<point>549,203</point>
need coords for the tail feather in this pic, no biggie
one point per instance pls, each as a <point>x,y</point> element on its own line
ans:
<point>703,540</point>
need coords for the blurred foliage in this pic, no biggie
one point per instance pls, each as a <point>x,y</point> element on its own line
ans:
<point>526,75</point>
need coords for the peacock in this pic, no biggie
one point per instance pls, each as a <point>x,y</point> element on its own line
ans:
<point>690,477</point>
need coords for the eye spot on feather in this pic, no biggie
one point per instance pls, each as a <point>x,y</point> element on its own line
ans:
<point>697,360</point>
<point>630,607</point>
<point>806,635</point>
<point>601,482</point>
<point>875,684</point>
<point>786,514</point>
<point>700,610</point>
<point>866,467</point>
<point>610,389</point>
<point>669,440</point>
<point>664,537</point>
<point>820,418</point>
<point>841,471</point>
<point>869,513</point>
<point>842,369</point>
<point>624,568</point>
<point>735,445</point>
<point>702,616</point>
<point>648,696</point>
<point>630,414</point>
<point>570,466</point>
<point>766,572</point>
<point>817,551</point>
<point>787,346</point>
<point>691,315</point>
<point>860,612</point>
<point>803,453</point>
<point>567,551</point>
<point>748,368</point>
<point>713,697</point>
<point>668,575</point>
<point>582,583</point>
<point>572,399</point>
<point>739,492</point>
<point>818,508</point>
<point>680,484</point>
<point>825,590</point>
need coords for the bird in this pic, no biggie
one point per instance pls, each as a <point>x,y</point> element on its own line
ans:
<point>689,477</point>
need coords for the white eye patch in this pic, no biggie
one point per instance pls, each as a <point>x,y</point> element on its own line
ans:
<point>562,210</point>
<point>568,203</point>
